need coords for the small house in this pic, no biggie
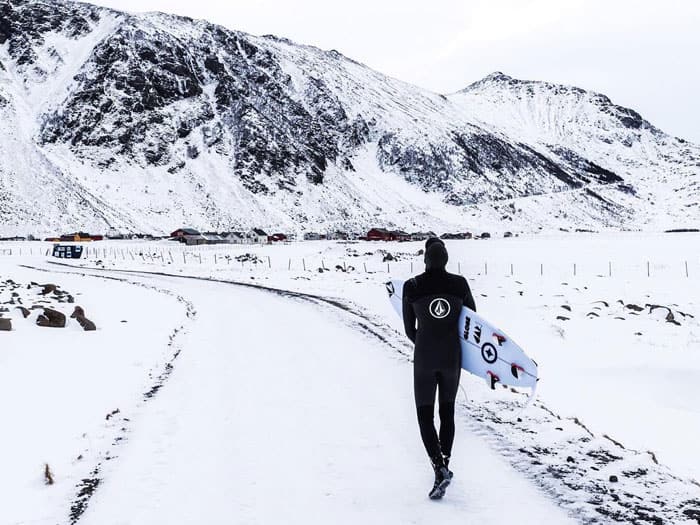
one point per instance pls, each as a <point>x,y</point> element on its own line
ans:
<point>213,238</point>
<point>257,236</point>
<point>312,236</point>
<point>184,232</point>
<point>277,237</point>
<point>380,234</point>
<point>234,237</point>
<point>401,235</point>
<point>337,236</point>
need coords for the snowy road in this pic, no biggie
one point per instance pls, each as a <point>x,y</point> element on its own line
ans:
<point>278,412</point>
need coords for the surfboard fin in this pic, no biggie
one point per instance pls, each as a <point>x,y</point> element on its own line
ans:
<point>492,379</point>
<point>390,288</point>
<point>515,369</point>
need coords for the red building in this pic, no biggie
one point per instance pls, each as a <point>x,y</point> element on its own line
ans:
<point>380,234</point>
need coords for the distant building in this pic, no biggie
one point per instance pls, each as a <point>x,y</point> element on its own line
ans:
<point>422,236</point>
<point>80,237</point>
<point>460,235</point>
<point>258,236</point>
<point>113,233</point>
<point>213,238</point>
<point>277,237</point>
<point>380,234</point>
<point>183,232</point>
<point>13,239</point>
<point>400,235</point>
<point>337,236</point>
<point>312,236</point>
<point>234,237</point>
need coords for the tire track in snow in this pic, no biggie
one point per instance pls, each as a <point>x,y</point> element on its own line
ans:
<point>121,428</point>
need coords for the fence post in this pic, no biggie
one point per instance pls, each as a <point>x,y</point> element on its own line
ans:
<point>269,263</point>
<point>686,268</point>
<point>184,258</point>
<point>365,266</point>
<point>459,267</point>
<point>648,270</point>
<point>387,268</point>
<point>486,268</point>
<point>289,264</point>
<point>574,269</point>
<point>609,268</point>
<point>303,263</point>
<point>541,269</point>
<point>511,269</point>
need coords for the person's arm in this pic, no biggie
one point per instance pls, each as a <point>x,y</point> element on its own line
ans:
<point>468,300</point>
<point>409,316</point>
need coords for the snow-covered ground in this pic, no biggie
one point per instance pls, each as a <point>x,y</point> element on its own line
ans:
<point>297,406</point>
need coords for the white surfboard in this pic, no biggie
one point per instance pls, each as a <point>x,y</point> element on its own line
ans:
<point>486,351</point>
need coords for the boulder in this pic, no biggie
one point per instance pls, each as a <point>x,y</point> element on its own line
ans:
<point>5,325</point>
<point>48,288</point>
<point>51,318</point>
<point>79,315</point>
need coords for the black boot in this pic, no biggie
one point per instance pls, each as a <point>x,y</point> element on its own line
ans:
<point>446,460</point>
<point>442,479</point>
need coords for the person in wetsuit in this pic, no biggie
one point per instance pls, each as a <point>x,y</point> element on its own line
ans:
<point>431,306</point>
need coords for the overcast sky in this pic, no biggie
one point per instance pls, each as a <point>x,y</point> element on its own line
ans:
<point>642,54</point>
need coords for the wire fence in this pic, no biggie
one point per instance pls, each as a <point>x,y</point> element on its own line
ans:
<point>245,258</point>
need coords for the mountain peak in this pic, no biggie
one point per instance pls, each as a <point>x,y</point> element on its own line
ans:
<point>497,76</point>
<point>494,78</point>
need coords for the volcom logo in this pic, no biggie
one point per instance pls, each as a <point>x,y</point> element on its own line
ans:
<point>439,308</point>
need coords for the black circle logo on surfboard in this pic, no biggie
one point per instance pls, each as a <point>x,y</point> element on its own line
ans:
<point>439,308</point>
<point>489,353</point>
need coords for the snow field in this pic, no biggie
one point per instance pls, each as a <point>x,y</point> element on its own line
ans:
<point>637,388</point>
<point>58,385</point>
<point>298,420</point>
<point>623,373</point>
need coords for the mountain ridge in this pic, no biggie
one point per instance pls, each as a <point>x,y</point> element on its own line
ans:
<point>157,120</point>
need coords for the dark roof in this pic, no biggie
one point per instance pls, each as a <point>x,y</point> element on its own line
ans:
<point>258,231</point>
<point>188,231</point>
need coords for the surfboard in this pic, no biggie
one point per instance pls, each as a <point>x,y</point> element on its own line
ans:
<point>487,352</point>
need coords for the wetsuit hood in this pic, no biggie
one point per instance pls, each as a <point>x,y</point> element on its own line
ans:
<point>435,255</point>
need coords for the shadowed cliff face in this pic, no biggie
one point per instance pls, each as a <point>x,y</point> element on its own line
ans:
<point>169,93</point>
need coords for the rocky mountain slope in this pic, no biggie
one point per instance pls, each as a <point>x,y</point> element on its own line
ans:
<point>145,122</point>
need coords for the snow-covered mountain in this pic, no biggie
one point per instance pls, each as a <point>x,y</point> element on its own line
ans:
<point>146,122</point>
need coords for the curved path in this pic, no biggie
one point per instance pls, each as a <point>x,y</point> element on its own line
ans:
<point>277,412</point>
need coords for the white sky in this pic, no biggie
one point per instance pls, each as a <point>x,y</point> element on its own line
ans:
<point>642,54</point>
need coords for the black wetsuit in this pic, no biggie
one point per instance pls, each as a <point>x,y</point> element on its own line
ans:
<point>434,299</point>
